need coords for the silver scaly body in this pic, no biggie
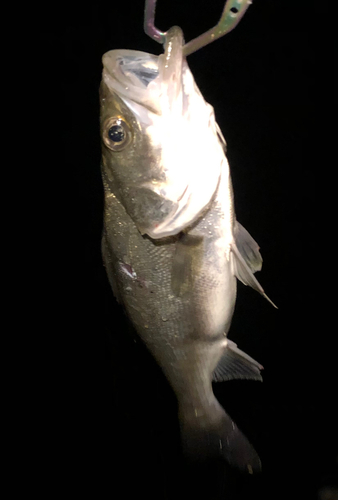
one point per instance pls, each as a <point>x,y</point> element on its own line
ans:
<point>173,264</point>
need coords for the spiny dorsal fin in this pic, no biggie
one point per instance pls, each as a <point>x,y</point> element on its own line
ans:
<point>246,259</point>
<point>247,247</point>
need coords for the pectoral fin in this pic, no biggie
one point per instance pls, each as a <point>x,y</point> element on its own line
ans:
<point>188,255</point>
<point>236,364</point>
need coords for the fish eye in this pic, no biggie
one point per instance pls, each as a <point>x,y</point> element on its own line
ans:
<point>117,134</point>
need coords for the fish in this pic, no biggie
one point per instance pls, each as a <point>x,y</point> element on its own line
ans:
<point>171,245</point>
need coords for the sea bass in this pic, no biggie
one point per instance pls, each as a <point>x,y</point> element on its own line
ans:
<point>171,244</point>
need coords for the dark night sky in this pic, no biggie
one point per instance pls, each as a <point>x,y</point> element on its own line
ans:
<point>118,413</point>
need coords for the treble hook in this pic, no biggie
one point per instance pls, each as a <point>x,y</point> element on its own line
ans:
<point>232,13</point>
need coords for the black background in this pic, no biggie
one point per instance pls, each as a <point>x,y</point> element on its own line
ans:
<point>116,414</point>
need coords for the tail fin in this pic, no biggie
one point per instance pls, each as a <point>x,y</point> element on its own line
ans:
<point>210,433</point>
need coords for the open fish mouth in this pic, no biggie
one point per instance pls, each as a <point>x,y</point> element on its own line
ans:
<point>153,81</point>
<point>129,73</point>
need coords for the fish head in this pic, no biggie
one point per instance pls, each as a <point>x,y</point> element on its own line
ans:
<point>162,151</point>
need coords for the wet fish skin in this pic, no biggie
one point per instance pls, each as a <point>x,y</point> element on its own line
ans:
<point>180,290</point>
<point>186,334</point>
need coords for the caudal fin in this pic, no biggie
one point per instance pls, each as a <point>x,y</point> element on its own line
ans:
<point>210,433</point>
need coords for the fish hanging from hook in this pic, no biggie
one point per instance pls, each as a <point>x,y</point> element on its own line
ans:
<point>171,244</point>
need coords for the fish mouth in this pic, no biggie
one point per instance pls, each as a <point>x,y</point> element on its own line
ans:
<point>146,79</point>
<point>129,73</point>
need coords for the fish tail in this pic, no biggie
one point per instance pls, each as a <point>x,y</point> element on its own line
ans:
<point>209,433</point>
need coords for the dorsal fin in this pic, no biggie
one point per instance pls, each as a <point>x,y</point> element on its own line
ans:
<point>245,259</point>
<point>248,247</point>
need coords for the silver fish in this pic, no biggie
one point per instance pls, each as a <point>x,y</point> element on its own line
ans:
<point>171,244</point>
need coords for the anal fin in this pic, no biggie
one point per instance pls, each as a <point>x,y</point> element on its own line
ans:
<point>236,364</point>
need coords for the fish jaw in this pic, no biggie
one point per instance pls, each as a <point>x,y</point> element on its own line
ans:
<point>181,145</point>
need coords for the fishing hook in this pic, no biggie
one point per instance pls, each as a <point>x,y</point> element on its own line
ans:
<point>232,13</point>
